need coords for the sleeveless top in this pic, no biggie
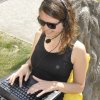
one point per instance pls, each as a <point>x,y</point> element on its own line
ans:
<point>51,66</point>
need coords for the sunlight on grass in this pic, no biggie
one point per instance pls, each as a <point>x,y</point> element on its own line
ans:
<point>13,52</point>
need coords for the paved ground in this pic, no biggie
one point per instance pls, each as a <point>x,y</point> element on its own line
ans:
<point>19,18</point>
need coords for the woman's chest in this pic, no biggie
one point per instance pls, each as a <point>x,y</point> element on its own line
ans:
<point>55,66</point>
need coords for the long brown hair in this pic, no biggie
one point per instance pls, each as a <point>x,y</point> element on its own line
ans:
<point>62,11</point>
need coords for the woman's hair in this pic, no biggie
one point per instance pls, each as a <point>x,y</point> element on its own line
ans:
<point>62,10</point>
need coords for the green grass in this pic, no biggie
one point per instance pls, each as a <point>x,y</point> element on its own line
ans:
<point>13,53</point>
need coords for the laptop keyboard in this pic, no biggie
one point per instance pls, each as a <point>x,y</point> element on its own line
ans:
<point>15,92</point>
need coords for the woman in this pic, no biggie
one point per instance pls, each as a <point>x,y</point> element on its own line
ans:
<point>54,52</point>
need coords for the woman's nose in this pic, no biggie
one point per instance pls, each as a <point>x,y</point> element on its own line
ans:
<point>45,27</point>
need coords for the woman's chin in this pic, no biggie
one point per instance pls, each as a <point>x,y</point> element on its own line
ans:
<point>48,35</point>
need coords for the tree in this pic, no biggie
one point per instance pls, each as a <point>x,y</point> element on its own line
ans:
<point>88,17</point>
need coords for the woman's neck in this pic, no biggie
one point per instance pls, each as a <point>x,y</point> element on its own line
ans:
<point>53,45</point>
<point>52,39</point>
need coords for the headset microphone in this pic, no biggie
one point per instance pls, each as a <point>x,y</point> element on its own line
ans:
<point>49,40</point>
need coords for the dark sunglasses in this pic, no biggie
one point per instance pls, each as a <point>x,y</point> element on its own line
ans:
<point>50,25</point>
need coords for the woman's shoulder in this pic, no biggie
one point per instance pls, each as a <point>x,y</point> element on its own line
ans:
<point>78,51</point>
<point>78,45</point>
<point>37,36</point>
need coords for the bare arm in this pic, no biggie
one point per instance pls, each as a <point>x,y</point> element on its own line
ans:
<point>25,69</point>
<point>78,59</point>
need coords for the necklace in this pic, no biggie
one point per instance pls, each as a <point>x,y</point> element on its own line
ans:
<point>49,40</point>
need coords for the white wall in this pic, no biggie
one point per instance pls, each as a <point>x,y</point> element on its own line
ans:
<point>18,18</point>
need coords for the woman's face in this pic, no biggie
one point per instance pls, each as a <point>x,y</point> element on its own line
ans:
<point>50,26</point>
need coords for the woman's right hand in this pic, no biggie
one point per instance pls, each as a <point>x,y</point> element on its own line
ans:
<point>21,72</point>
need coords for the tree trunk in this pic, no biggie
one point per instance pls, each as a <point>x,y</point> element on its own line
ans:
<point>88,17</point>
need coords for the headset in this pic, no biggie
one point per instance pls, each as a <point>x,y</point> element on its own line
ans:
<point>66,19</point>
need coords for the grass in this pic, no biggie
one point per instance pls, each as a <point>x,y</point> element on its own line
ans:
<point>13,52</point>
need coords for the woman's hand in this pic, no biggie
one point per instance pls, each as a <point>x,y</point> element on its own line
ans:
<point>45,86</point>
<point>23,71</point>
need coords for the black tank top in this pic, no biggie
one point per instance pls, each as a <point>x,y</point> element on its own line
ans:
<point>51,66</point>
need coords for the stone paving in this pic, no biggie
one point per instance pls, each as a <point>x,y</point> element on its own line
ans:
<point>19,18</point>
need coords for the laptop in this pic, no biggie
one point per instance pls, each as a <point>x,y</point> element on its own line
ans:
<point>15,92</point>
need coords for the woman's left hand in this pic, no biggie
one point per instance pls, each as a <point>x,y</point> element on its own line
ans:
<point>45,86</point>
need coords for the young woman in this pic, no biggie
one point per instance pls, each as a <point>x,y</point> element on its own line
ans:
<point>54,52</point>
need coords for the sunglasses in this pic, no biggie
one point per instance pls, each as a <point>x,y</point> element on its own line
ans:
<point>50,25</point>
